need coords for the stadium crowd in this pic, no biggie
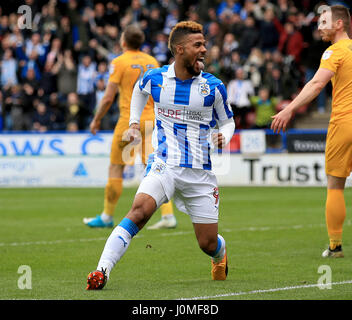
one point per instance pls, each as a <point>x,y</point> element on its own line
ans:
<point>54,74</point>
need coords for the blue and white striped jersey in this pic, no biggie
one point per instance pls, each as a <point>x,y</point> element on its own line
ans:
<point>185,111</point>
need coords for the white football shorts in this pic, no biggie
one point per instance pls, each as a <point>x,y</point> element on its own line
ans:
<point>195,191</point>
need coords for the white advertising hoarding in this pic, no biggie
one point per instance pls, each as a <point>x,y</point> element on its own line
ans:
<point>55,144</point>
<point>231,170</point>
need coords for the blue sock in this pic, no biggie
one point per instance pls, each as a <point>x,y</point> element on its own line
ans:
<point>129,226</point>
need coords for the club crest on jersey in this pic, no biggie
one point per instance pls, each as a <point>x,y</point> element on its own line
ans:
<point>158,167</point>
<point>327,54</point>
<point>111,69</point>
<point>203,89</point>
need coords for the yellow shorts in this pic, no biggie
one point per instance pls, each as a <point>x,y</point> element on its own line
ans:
<point>338,150</point>
<point>123,152</point>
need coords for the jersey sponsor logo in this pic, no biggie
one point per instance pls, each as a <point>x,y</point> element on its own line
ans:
<point>170,113</point>
<point>193,115</point>
<point>327,54</point>
<point>181,114</point>
<point>203,89</point>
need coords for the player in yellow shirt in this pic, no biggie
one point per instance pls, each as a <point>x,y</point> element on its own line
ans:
<point>125,71</point>
<point>335,65</point>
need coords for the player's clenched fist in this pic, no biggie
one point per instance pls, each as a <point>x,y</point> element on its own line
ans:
<point>133,133</point>
<point>218,140</point>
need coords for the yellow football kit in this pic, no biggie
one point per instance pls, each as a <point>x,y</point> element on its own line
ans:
<point>125,71</point>
<point>338,152</point>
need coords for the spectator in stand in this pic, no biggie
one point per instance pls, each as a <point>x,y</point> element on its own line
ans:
<point>256,58</point>
<point>171,19</point>
<point>237,26</point>
<point>74,110</point>
<point>249,38</point>
<point>64,33</point>
<point>247,9</point>
<point>261,7</point>
<point>106,122</point>
<point>282,84</point>
<point>213,36</point>
<point>85,87</point>
<point>72,126</point>
<point>274,83</point>
<point>232,6</point>
<point>160,50</point>
<point>213,61</point>
<point>253,67</point>
<point>9,69</point>
<point>79,27</point>
<point>42,119</point>
<point>30,90</point>
<point>30,64</point>
<point>48,81</point>
<point>34,45</point>
<point>264,107</point>
<point>17,118</point>
<point>4,25</point>
<point>99,15</point>
<point>55,50</point>
<point>102,73</point>
<point>112,14</point>
<point>155,23</point>
<point>66,73</point>
<point>211,17</point>
<point>311,64</point>
<point>49,18</point>
<point>57,113</point>
<point>268,34</point>
<point>229,44</point>
<point>238,92</point>
<point>291,41</point>
<point>230,67</point>
<point>137,11</point>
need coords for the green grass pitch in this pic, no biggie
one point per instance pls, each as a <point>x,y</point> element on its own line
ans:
<point>274,236</point>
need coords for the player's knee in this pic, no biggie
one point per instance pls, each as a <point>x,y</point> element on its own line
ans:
<point>142,209</point>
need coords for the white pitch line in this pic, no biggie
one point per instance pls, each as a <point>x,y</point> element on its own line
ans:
<point>233,294</point>
<point>168,234</point>
<point>29,243</point>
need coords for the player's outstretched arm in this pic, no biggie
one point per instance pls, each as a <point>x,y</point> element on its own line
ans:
<point>308,93</point>
<point>104,106</point>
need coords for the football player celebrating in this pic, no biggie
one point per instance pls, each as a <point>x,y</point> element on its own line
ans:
<point>187,102</point>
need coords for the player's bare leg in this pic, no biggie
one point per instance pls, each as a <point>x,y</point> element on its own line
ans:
<point>116,245</point>
<point>213,244</point>
<point>335,216</point>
